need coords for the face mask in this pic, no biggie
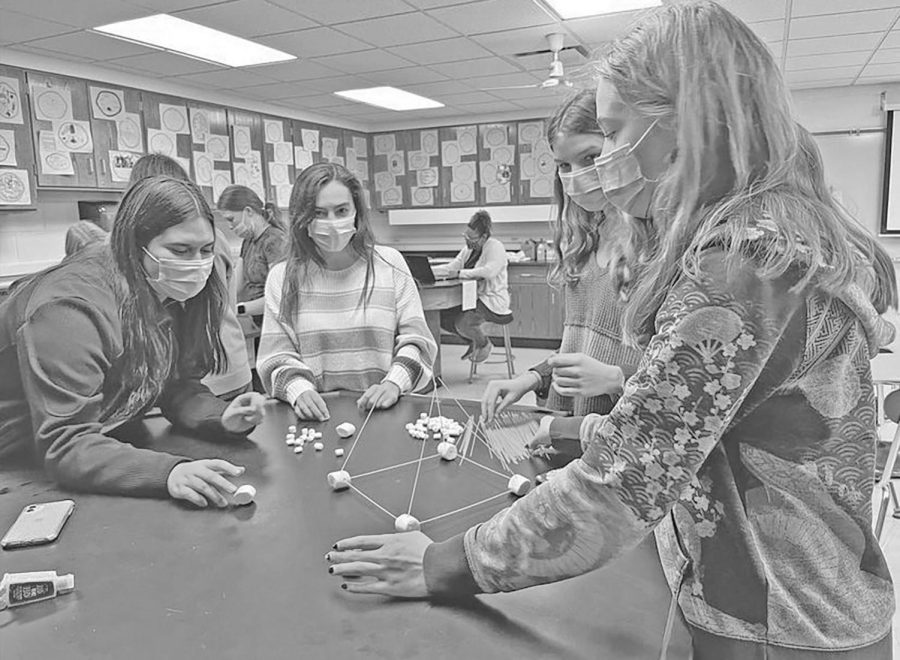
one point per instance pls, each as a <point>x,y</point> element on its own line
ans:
<point>332,235</point>
<point>241,226</point>
<point>583,188</point>
<point>180,280</point>
<point>621,179</point>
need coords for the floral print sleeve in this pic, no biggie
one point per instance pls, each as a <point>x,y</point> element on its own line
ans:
<point>714,337</point>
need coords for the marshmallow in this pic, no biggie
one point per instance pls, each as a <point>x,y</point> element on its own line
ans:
<point>244,495</point>
<point>447,451</point>
<point>318,446</point>
<point>345,430</point>
<point>518,485</point>
<point>406,523</point>
<point>298,449</point>
<point>292,429</point>
<point>339,452</point>
<point>339,480</point>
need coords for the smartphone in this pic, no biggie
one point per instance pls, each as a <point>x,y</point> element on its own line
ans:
<point>38,524</point>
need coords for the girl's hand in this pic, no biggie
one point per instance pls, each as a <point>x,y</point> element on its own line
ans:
<point>576,374</point>
<point>201,482</point>
<point>244,412</point>
<point>500,394</point>
<point>311,405</point>
<point>388,564</point>
<point>382,395</point>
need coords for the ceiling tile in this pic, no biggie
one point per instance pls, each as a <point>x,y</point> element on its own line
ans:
<point>850,23</point>
<point>397,30</point>
<point>312,102</point>
<point>339,83</point>
<point>825,61</point>
<point>343,11</point>
<point>294,70</point>
<point>598,30</point>
<point>816,7</point>
<point>314,42</point>
<point>436,52</point>
<point>274,90</point>
<point>168,5</point>
<point>818,84</point>
<point>440,88</point>
<point>892,40</point>
<point>887,69</point>
<point>502,80</point>
<point>467,98</point>
<point>814,75</point>
<point>160,63</point>
<point>571,59</point>
<point>431,4</point>
<point>522,40</point>
<point>481,67</point>
<point>886,56</point>
<point>352,109</point>
<point>490,106</point>
<point>492,16</point>
<point>528,93</point>
<point>28,48</point>
<point>226,78</point>
<point>413,75</point>
<point>91,45</point>
<point>16,28</point>
<point>770,30</point>
<point>363,61</point>
<point>247,18</point>
<point>757,10</point>
<point>843,43</point>
<point>83,13</point>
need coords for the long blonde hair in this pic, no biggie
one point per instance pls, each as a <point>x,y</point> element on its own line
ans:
<point>740,157</point>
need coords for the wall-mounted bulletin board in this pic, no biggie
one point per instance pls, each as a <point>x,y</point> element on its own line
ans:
<point>17,187</point>
<point>168,127</point>
<point>279,159</point>
<point>423,162</point>
<point>389,170</point>
<point>331,141</point>
<point>498,165</point>
<point>356,158</point>
<point>536,164</point>
<point>459,165</point>
<point>307,145</point>
<point>117,127</point>
<point>210,150</point>
<point>61,126</point>
<point>247,144</point>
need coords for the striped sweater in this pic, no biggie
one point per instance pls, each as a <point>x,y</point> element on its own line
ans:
<point>333,343</point>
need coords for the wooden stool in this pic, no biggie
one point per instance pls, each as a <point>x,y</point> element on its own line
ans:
<point>508,358</point>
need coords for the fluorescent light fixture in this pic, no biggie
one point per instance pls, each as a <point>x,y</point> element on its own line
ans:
<point>390,98</point>
<point>193,40</point>
<point>567,9</point>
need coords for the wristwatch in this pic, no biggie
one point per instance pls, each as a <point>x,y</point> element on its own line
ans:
<point>241,309</point>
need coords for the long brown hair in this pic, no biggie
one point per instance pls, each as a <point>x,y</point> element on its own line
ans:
<point>151,349</point>
<point>303,250</point>
<point>739,157</point>
<point>236,198</point>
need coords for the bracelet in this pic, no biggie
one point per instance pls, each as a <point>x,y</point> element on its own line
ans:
<point>540,379</point>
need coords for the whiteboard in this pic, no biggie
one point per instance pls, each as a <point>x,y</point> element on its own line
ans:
<point>854,168</point>
<point>890,219</point>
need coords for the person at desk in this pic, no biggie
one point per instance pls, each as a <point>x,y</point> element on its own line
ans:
<point>265,243</point>
<point>341,313</point>
<point>483,259</point>
<point>747,435</point>
<point>113,331</point>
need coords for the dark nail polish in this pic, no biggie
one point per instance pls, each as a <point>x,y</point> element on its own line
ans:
<point>343,586</point>
<point>331,569</point>
<point>334,547</point>
<point>328,557</point>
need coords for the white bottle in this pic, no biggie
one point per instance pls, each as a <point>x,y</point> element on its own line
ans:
<point>23,588</point>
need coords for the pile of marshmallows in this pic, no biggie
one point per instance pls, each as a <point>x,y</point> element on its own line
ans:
<point>307,435</point>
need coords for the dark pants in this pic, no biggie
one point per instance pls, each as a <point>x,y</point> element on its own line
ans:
<point>468,324</point>
<point>712,647</point>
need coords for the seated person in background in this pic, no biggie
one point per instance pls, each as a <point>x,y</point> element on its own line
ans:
<point>113,331</point>
<point>483,259</point>
<point>586,376</point>
<point>235,378</point>
<point>264,244</point>
<point>82,234</point>
<point>341,313</point>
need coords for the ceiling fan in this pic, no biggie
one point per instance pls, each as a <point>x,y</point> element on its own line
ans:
<point>557,74</point>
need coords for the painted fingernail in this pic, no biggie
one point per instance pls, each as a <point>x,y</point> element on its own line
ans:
<point>331,569</point>
<point>334,547</point>
<point>328,556</point>
<point>343,586</point>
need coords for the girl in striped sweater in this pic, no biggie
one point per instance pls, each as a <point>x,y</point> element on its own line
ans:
<point>340,313</point>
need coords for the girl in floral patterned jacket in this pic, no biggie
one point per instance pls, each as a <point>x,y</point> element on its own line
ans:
<point>747,436</point>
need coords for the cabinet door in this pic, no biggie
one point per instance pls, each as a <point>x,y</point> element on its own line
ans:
<point>210,150</point>
<point>459,165</point>
<point>247,143</point>
<point>118,132</point>
<point>537,168</point>
<point>61,126</point>
<point>278,155</point>
<point>497,164</point>
<point>167,127</point>
<point>17,190</point>
<point>389,170</point>
<point>557,314</point>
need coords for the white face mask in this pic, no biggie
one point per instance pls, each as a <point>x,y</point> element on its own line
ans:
<point>583,188</point>
<point>622,181</point>
<point>242,227</point>
<point>332,235</point>
<point>178,279</point>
